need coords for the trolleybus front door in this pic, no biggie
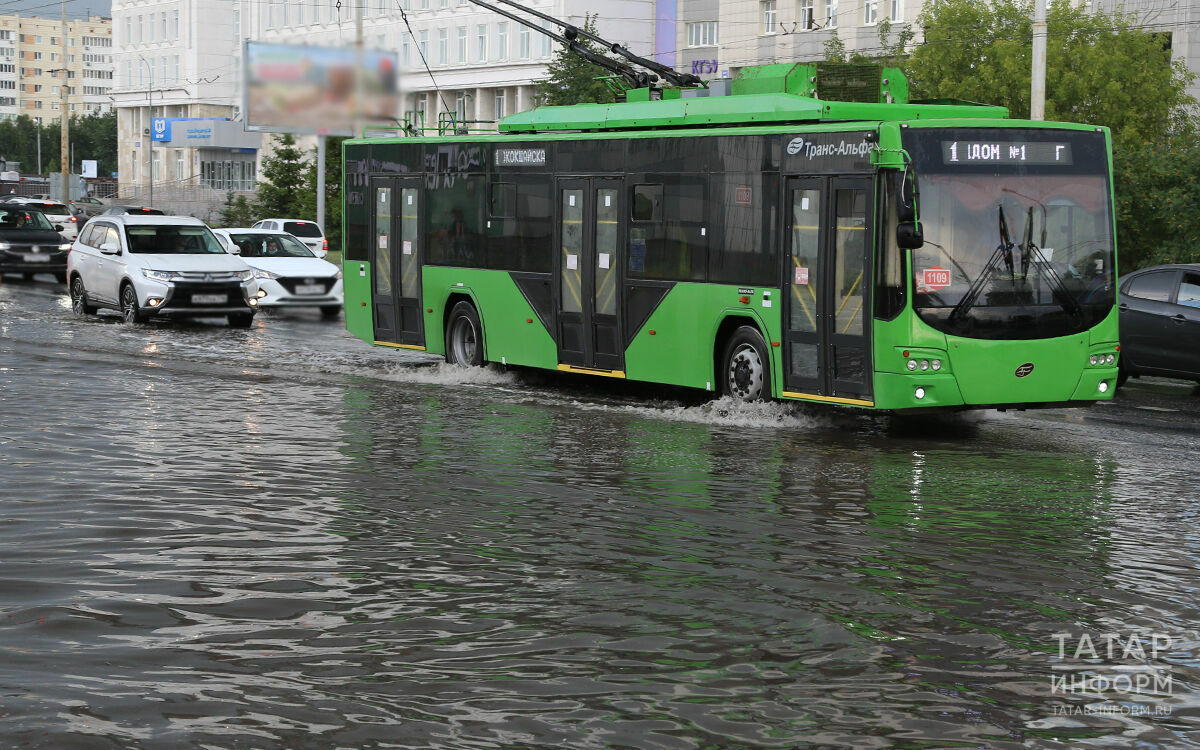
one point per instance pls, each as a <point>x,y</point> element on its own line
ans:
<point>588,271</point>
<point>828,233</point>
<point>396,253</point>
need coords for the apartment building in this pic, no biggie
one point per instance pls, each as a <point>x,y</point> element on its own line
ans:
<point>31,65</point>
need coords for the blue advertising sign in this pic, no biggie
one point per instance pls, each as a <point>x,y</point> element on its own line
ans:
<point>162,127</point>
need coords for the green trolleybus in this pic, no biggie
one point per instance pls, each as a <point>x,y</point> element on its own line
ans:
<point>808,233</point>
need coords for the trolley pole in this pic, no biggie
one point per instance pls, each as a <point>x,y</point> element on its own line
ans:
<point>1037,94</point>
<point>64,115</point>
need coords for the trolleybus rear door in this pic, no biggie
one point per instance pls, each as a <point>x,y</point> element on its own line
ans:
<point>384,263</point>
<point>396,261</point>
<point>588,273</point>
<point>829,239</point>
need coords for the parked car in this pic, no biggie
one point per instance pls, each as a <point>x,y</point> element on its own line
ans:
<point>1160,322</point>
<point>89,206</point>
<point>289,274</point>
<point>308,232</point>
<point>30,244</point>
<point>146,266</point>
<point>59,214</point>
<point>121,210</point>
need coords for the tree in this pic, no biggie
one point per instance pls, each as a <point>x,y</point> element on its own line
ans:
<point>281,191</point>
<point>1158,196</point>
<point>1100,69</point>
<point>237,211</point>
<point>333,192</point>
<point>572,78</point>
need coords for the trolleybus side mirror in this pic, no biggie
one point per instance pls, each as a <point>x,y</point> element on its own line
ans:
<point>909,234</point>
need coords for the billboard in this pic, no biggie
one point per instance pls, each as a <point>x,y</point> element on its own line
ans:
<point>300,89</point>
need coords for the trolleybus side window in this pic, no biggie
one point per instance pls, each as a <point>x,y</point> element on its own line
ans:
<point>674,246</point>
<point>743,247</point>
<point>519,228</point>
<point>889,261</point>
<point>453,220</point>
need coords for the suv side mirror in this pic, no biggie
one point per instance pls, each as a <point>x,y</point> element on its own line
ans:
<point>234,249</point>
<point>909,234</point>
<point>110,248</point>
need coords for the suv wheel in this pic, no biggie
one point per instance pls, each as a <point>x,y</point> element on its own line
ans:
<point>79,303</point>
<point>129,305</point>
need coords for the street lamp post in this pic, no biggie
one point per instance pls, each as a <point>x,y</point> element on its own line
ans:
<point>149,132</point>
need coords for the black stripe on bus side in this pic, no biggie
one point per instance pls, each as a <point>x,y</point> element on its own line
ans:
<point>642,298</point>
<point>536,288</point>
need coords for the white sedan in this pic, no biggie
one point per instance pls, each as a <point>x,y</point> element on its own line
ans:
<point>289,274</point>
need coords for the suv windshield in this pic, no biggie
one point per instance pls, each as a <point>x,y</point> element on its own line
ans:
<point>18,217</point>
<point>55,209</point>
<point>171,239</point>
<point>1018,231</point>
<point>271,246</point>
<point>302,228</point>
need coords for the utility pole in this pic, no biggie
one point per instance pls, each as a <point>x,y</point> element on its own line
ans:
<point>64,116</point>
<point>1037,94</point>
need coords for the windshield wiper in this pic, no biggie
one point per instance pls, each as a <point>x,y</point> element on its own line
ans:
<point>1030,251</point>
<point>1003,252</point>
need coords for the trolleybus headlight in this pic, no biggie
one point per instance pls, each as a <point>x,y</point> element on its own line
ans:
<point>936,364</point>
<point>912,364</point>
<point>1103,386</point>
<point>924,365</point>
<point>1108,360</point>
<point>919,393</point>
<point>1092,359</point>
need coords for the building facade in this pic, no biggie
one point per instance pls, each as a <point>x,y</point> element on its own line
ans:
<point>32,61</point>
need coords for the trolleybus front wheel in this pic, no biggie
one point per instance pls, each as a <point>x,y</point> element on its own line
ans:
<point>746,366</point>
<point>464,336</point>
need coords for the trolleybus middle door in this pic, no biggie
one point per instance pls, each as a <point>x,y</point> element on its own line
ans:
<point>588,268</point>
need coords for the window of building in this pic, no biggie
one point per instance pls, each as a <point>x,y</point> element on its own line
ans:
<point>404,52</point>
<point>461,47</point>
<point>897,11</point>
<point>423,44</point>
<point>179,164</point>
<point>481,43</point>
<point>769,16</point>
<point>870,12</point>
<point>499,110</point>
<point>831,13</point>
<point>806,19</point>
<point>702,34</point>
<point>524,42</point>
<point>502,41</point>
<point>443,46</point>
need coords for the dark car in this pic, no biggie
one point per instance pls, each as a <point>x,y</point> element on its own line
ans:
<point>143,210</point>
<point>1160,322</point>
<point>30,244</point>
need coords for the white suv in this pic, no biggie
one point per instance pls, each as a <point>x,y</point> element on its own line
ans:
<point>147,266</point>
<point>308,232</point>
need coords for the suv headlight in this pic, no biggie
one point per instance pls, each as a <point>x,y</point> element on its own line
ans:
<point>339,275</point>
<point>5,246</point>
<point>160,275</point>
<point>65,246</point>
<point>261,274</point>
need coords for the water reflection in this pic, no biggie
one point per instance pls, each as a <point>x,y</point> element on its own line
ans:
<point>309,550</point>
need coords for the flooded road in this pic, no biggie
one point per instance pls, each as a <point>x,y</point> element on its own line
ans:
<point>283,538</point>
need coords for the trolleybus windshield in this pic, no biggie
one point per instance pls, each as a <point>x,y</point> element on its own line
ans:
<point>1018,231</point>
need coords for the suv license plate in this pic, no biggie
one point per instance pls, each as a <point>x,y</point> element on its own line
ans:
<point>310,289</point>
<point>209,299</point>
<point>32,258</point>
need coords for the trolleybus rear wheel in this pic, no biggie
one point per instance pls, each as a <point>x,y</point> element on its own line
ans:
<point>464,336</point>
<point>745,371</point>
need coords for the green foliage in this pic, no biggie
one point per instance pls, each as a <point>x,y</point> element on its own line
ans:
<point>572,79</point>
<point>1100,69</point>
<point>333,192</point>
<point>280,193</point>
<point>893,50</point>
<point>238,211</point>
<point>1158,198</point>
<point>92,137</point>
